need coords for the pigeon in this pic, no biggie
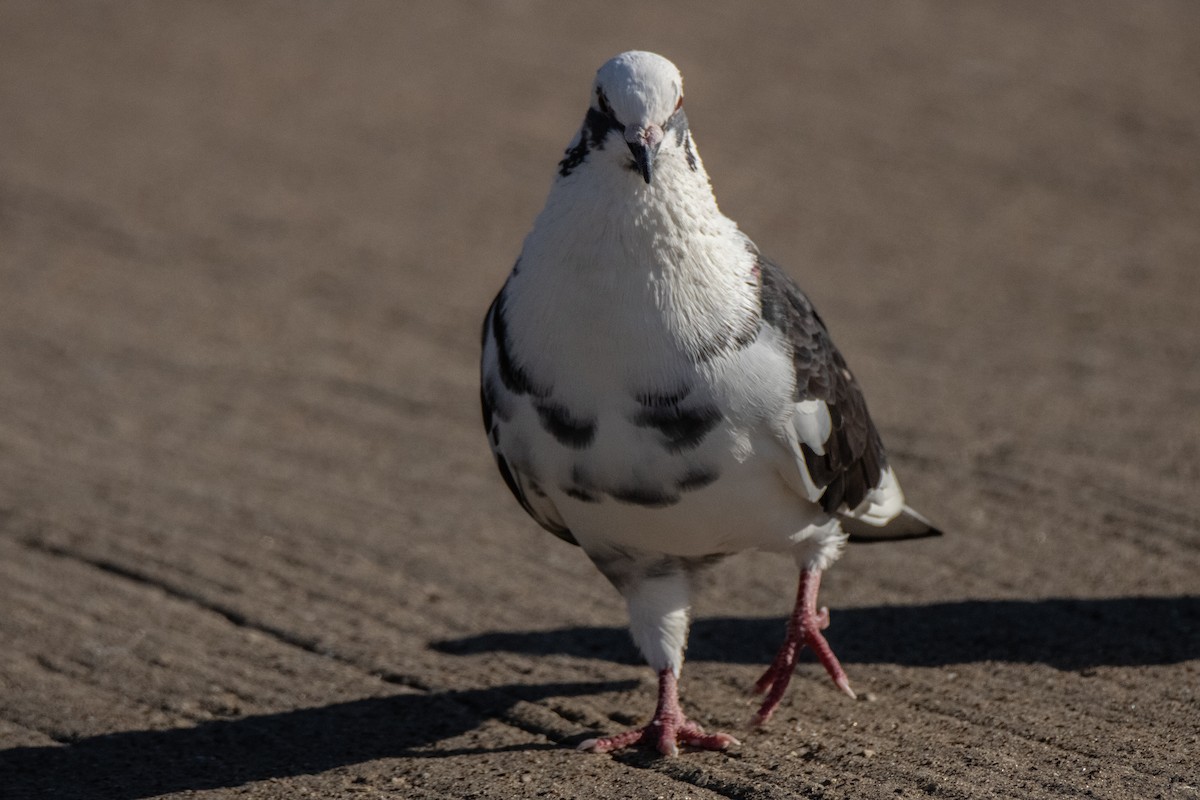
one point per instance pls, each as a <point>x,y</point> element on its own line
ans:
<point>659,393</point>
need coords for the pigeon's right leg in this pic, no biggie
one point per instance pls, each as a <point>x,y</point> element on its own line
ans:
<point>667,730</point>
<point>658,620</point>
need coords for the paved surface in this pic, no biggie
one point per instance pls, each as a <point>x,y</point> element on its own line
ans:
<point>251,540</point>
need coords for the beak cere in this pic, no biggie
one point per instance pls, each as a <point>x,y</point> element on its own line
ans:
<point>644,142</point>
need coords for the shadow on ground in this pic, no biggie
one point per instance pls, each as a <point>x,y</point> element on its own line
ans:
<point>136,764</point>
<point>1065,633</point>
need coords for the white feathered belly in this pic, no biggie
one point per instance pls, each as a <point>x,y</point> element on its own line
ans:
<point>747,506</point>
<point>628,488</point>
<point>666,455</point>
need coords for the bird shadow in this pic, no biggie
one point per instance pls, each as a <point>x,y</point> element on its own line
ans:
<point>1069,634</point>
<point>225,753</point>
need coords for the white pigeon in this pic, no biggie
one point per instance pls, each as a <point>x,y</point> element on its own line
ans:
<point>657,392</point>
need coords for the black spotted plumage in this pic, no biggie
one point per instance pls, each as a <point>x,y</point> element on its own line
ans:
<point>596,127</point>
<point>510,480</point>
<point>570,430</point>
<point>493,403</point>
<point>678,125</point>
<point>581,487</point>
<point>598,123</point>
<point>580,494</point>
<point>697,478</point>
<point>574,157</point>
<point>514,376</point>
<point>854,458</point>
<point>663,399</point>
<point>494,409</point>
<point>647,496</point>
<point>681,428</point>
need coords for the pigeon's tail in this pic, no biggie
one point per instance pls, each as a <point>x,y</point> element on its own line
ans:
<point>908,524</point>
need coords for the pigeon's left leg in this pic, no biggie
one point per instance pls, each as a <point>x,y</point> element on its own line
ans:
<point>658,620</point>
<point>804,628</point>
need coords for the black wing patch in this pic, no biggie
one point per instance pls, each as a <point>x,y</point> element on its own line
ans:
<point>493,409</point>
<point>854,459</point>
<point>512,373</point>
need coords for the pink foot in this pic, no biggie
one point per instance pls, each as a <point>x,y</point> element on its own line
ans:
<point>669,728</point>
<point>804,628</point>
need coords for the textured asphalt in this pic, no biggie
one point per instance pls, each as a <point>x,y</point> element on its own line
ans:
<point>252,542</point>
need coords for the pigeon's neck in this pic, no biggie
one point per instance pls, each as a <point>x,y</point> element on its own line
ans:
<point>603,219</point>
<point>649,263</point>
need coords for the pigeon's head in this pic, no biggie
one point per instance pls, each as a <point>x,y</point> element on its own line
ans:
<point>639,94</point>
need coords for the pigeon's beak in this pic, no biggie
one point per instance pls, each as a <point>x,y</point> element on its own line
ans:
<point>644,141</point>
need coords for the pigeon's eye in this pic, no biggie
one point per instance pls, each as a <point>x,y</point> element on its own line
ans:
<point>603,101</point>
<point>679,104</point>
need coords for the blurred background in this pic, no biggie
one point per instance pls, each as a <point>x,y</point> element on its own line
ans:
<point>252,541</point>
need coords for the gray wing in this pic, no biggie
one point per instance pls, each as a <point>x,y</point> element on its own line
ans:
<point>839,446</point>
<point>502,383</point>
<point>842,451</point>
